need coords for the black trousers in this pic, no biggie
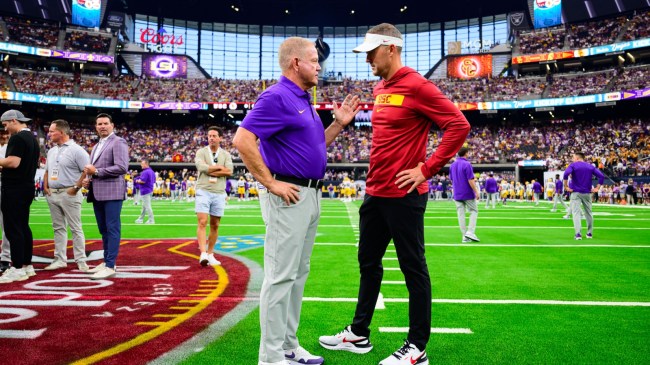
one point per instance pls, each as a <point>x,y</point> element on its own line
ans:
<point>402,220</point>
<point>15,212</point>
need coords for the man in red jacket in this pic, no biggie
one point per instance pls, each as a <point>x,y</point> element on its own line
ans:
<point>406,107</point>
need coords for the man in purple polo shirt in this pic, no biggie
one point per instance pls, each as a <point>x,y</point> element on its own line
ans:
<point>581,190</point>
<point>558,195</point>
<point>537,189</point>
<point>492,191</point>
<point>144,182</point>
<point>290,162</point>
<point>465,194</point>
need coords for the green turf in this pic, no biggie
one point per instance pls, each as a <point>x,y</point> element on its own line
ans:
<point>525,253</point>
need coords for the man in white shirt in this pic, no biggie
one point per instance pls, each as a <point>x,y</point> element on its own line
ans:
<point>62,186</point>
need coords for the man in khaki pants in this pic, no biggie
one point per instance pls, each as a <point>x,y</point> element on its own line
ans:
<point>62,186</point>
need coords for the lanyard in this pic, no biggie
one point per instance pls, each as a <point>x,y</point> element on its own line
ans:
<point>215,155</point>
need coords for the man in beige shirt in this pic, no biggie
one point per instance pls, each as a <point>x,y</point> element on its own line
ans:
<point>213,164</point>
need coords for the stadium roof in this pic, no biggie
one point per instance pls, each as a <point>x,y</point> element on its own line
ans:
<point>318,13</point>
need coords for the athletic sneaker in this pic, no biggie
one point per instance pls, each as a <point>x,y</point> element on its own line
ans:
<point>408,354</point>
<point>13,274</point>
<point>589,236</point>
<point>97,268</point>
<point>151,222</point>
<point>567,216</point>
<point>466,240</point>
<point>55,265</point>
<point>83,266</point>
<point>346,340</point>
<point>203,260</point>
<point>139,221</point>
<point>553,210</point>
<point>301,356</point>
<point>29,270</point>
<point>578,237</point>
<point>472,237</point>
<point>212,260</point>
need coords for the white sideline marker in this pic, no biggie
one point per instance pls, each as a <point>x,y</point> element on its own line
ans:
<point>464,331</point>
<point>380,302</point>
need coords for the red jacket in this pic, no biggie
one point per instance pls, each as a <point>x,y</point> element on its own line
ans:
<point>406,107</point>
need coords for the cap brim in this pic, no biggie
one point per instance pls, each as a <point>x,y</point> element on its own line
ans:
<point>24,119</point>
<point>365,47</point>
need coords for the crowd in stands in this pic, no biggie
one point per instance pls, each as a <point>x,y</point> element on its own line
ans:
<point>86,42</point>
<point>542,41</point>
<point>44,83</point>
<point>592,83</point>
<point>632,78</point>
<point>463,91</point>
<point>117,88</point>
<point>585,35</point>
<point>37,33</point>
<point>639,27</point>
<point>510,88</point>
<point>616,146</point>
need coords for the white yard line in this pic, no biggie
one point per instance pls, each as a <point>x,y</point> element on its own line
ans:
<point>495,301</point>
<point>476,245</point>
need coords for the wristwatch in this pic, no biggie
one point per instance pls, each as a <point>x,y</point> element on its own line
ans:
<point>76,187</point>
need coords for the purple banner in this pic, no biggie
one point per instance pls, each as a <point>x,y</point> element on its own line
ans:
<point>636,94</point>
<point>166,105</point>
<point>80,56</point>
<point>164,66</point>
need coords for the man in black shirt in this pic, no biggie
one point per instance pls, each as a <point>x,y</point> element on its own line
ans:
<point>18,170</point>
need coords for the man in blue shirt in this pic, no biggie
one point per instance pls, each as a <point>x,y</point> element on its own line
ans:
<point>466,194</point>
<point>581,190</point>
<point>290,163</point>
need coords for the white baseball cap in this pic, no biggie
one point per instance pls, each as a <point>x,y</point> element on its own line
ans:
<point>373,41</point>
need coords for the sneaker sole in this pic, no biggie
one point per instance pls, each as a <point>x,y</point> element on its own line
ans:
<point>105,277</point>
<point>347,347</point>
<point>473,239</point>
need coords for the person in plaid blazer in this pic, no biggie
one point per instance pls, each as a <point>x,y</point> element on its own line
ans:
<point>109,161</point>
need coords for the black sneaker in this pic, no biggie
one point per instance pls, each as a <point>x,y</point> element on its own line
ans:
<point>4,266</point>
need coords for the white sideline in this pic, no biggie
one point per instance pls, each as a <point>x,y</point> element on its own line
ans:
<point>496,245</point>
<point>433,330</point>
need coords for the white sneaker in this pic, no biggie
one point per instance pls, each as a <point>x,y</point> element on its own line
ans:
<point>13,274</point>
<point>212,260</point>
<point>203,259</point>
<point>139,221</point>
<point>346,340</point>
<point>56,264</point>
<point>472,236</point>
<point>97,268</point>
<point>151,222</point>
<point>105,273</point>
<point>29,270</point>
<point>301,356</point>
<point>408,354</point>
<point>83,266</point>
<point>274,363</point>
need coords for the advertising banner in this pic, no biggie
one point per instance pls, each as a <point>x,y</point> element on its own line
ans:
<point>86,13</point>
<point>547,13</point>
<point>469,67</point>
<point>164,66</point>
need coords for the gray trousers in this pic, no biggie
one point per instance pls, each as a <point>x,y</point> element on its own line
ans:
<point>289,240</point>
<point>66,212</point>
<point>472,207</point>
<point>146,207</point>
<point>557,198</point>
<point>578,199</point>
<point>492,197</point>
<point>5,255</point>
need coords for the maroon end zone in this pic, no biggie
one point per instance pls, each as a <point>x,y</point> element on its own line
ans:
<point>160,298</point>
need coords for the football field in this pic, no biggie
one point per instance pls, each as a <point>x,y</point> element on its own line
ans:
<point>528,293</point>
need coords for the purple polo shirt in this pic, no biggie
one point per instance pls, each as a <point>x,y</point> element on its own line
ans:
<point>581,173</point>
<point>537,187</point>
<point>292,137</point>
<point>491,185</point>
<point>559,187</point>
<point>460,173</point>
<point>148,178</point>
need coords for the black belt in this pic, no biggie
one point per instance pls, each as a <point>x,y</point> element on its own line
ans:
<point>309,183</point>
